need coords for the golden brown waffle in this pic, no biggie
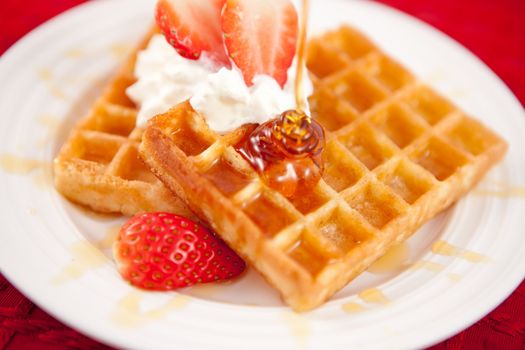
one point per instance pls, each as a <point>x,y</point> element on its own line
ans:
<point>397,154</point>
<point>99,167</point>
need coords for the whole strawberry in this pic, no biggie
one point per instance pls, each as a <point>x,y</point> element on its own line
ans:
<point>163,251</point>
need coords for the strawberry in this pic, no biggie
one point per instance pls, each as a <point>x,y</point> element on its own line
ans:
<point>163,251</point>
<point>260,37</point>
<point>193,27</point>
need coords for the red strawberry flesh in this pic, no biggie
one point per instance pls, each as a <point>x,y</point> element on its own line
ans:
<point>162,251</point>
<point>261,36</point>
<point>193,27</point>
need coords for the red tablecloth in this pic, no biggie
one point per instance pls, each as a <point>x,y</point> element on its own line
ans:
<point>493,30</point>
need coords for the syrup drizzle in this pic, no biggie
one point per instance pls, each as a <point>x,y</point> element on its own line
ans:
<point>396,259</point>
<point>352,307</point>
<point>435,267</point>
<point>128,313</point>
<point>19,165</point>
<point>374,295</point>
<point>502,191</point>
<point>299,326</point>
<point>119,50</point>
<point>428,265</point>
<point>454,277</point>
<point>84,258</point>
<point>301,57</point>
<point>447,249</point>
<point>41,172</point>
<point>286,163</point>
<point>286,151</point>
<point>46,76</point>
<point>74,53</point>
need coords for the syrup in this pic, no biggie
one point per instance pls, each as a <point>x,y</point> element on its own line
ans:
<point>301,56</point>
<point>502,190</point>
<point>45,74</point>
<point>374,295</point>
<point>286,151</point>
<point>129,313</point>
<point>444,248</point>
<point>299,326</point>
<point>84,258</point>
<point>74,53</point>
<point>18,165</point>
<point>395,260</point>
<point>428,265</point>
<point>352,307</point>
<point>119,50</point>
<point>454,277</point>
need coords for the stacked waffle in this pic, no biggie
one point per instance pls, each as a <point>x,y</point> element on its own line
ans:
<point>99,167</point>
<point>397,154</point>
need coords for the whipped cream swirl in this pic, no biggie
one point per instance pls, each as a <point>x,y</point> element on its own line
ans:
<point>165,79</point>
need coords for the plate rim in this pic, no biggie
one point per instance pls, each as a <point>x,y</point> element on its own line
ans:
<point>79,8</point>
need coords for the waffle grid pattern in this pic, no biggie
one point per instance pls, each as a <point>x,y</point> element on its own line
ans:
<point>99,166</point>
<point>397,154</point>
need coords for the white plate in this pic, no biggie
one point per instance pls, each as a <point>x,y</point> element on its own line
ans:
<point>53,74</point>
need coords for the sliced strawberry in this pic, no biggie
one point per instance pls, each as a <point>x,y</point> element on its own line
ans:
<point>260,36</point>
<point>193,27</point>
<point>162,251</point>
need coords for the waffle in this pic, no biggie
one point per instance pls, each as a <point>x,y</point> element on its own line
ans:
<point>99,167</point>
<point>397,154</point>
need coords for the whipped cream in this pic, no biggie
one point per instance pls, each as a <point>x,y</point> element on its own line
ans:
<point>165,79</point>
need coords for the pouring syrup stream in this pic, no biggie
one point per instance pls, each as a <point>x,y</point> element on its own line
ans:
<point>301,56</point>
<point>286,151</point>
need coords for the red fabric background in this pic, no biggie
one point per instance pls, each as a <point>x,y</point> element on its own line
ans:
<point>493,30</point>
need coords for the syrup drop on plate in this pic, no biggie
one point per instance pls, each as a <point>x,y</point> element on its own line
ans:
<point>374,295</point>
<point>352,307</point>
<point>396,259</point>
